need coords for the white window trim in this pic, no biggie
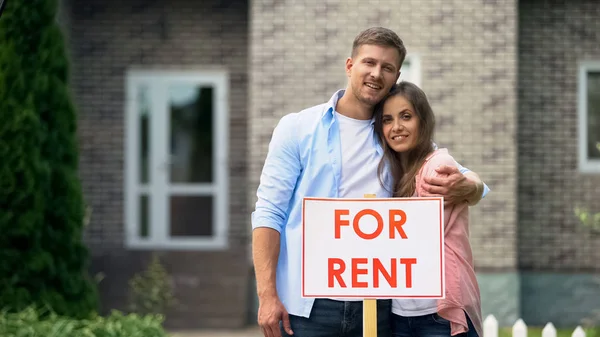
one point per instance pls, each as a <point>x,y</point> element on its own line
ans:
<point>586,165</point>
<point>415,70</point>
<point>219,189</point>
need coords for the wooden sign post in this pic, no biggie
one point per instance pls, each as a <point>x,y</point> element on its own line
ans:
<point>369,308</point>
<point>372,248</point>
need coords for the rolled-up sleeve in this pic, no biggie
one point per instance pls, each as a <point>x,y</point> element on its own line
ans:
<point>464,170</point>
<point>279,176</point>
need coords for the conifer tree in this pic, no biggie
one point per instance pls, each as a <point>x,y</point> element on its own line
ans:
<point>43,260</point>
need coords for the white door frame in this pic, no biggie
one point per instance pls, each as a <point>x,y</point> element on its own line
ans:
<point>159,188</point>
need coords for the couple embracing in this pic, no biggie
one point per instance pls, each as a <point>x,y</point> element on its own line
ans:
<point>374,131</point>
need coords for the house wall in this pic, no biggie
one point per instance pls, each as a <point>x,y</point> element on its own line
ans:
<point>559,257</point>
<point>471,65</point>
<point>107,38</point>
<point>468,53</point>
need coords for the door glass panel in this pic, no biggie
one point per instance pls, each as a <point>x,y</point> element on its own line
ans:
<point>143,216</point>
<point>143,100</point>
<point>191,148</point>
<point>593,117</point>
<point>191,216</point>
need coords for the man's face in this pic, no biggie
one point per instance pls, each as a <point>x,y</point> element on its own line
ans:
<point>372,72</point>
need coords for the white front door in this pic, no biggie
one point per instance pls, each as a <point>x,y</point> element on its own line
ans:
<point>176,160</point>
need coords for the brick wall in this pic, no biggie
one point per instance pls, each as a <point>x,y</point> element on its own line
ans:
<point>108,37</point>
<point>468,56</point>
<point>553,37</point>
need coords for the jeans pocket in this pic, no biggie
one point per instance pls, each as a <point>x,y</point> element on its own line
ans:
<point>439,319</point>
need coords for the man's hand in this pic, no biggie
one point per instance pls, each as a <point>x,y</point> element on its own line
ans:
<point>270,312</point>
<point>265,252</point>
<point>455,187</point>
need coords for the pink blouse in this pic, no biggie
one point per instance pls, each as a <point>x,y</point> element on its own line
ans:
<point>462,290</point>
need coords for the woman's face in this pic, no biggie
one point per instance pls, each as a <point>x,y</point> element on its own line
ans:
<point>400,124</point>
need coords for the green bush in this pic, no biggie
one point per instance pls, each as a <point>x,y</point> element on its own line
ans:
<point>151,291</point>
<point>29,323</point>
<point>588,219</point>
<point>43,259</point>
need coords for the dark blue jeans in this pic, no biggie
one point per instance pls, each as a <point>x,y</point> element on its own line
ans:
<point>329,318</point>
<point>426,326</point>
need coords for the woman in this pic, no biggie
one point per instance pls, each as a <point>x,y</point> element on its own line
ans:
<point>404,122</point>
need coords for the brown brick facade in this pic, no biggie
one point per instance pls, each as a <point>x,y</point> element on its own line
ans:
<point>107,38</point>
<point>554,37</point>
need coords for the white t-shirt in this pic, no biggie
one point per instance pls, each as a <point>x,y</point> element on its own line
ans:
<point>416,307</point>
<point>359,163</point>
<point>359,159</point>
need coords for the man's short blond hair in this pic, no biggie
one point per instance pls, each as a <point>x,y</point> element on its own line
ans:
<point>380,36</point>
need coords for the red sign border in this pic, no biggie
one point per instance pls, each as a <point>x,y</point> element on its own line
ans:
<point>441,241</point>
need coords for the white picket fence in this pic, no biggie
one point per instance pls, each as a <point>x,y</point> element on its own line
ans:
<point>490,329</point>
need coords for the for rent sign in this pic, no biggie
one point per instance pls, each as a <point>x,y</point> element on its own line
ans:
<point>373,248</point>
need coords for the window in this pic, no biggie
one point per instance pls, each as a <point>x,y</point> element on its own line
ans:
<point>411,70</point>
<point>589,117</point>
<point>176,175</point>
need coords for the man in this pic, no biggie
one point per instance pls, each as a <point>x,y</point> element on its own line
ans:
<point>329,150</point>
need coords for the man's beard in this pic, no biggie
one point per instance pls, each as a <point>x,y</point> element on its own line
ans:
<point>364,99</point>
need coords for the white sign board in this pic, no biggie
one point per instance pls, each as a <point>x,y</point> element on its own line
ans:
<point>373,248</point>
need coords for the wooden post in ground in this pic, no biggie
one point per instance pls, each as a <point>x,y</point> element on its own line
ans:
<point>369,309</point>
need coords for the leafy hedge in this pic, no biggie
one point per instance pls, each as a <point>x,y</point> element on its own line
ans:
<point>29,323</point>
<point>43,259</point>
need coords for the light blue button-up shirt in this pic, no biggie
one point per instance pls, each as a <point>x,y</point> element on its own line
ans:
<point>304,160</point>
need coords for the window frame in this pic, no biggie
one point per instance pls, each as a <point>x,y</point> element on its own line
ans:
<point>219,187</point>
<point>586,165</point>
<point>414,73</point>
